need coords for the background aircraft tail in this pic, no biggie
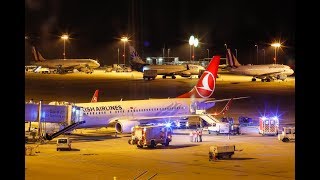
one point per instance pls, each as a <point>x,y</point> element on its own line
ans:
<point>136,62</point>
<point>232,60</point>
<point>206,83</point>
<point>36,54</point>
<point>95,96</point>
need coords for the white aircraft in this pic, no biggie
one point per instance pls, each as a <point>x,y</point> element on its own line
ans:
<point>123,115</point>
<point>64,65</point>
<point>184,70</point>
<point>265,72</point>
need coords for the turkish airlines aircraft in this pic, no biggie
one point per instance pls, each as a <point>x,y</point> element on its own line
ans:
<point>123,115</point>
<point>265,72</point>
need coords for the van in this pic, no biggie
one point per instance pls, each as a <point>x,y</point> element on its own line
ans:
<point>63,144</point>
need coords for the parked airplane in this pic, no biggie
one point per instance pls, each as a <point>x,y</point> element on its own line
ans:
<point>265,72</point>
<point>123,115</point>
<point>64,65</point>
<point>184,70</point>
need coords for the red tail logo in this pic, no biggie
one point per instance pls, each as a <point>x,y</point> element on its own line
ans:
<point>206,85</point>
<point>95,96</point>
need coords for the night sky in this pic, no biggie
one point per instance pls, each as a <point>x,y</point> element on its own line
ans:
<point>95,28</point>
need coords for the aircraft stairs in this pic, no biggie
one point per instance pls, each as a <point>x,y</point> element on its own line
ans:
<point>209,119</point>
<point>66,129</point>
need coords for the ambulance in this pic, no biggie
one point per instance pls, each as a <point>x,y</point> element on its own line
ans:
<point>268,126</point>
<point>150,136</point>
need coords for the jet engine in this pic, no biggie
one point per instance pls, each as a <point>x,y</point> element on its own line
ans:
<point>124,126</point>
<point>281,77</point>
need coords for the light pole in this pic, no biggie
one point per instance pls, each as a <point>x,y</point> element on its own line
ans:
<point>64,37</point>
<point>264,56</point>
<point>118,56</point>
<point>162,52</point>
<point>226,45</point>
<point>236,53</point>
<point>208,52</point>
<point>191,41</point>
<point>195,44</point>
<point>257,52</point>
<point>124,39</point>
<point>168,52</point>
<point>275,45</point>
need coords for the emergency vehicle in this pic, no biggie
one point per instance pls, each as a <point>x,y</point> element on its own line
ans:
<point>268,126</point>
<point>150,136</point>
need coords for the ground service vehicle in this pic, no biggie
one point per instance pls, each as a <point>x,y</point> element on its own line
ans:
<point>221,151</point>
<point>219,128</point>
<point>288,134</point>
<point>268,126</point>
<point>150,136</point>
<point>63,143</point>
<point>149,74</point>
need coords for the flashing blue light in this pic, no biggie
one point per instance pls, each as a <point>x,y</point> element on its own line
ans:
<point>178,124</point>
<point>168,124</point>
<point>73,109</point>
<point>275,118</point>
<point>263,118</point>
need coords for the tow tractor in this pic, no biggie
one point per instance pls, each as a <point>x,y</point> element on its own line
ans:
<point>288,134</point>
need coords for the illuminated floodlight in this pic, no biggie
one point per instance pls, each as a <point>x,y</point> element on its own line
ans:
<point>263,118</point>
<point>196,42</point>
<point>191,40</point>
<point>124,39</point>
<point>276,44</point>
<point>65,37</point>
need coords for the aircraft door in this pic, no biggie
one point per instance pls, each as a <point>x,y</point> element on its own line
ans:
<point>193,107</point>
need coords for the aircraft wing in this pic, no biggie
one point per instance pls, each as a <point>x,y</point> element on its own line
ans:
<point>222,100</point>
<point>269,74</point>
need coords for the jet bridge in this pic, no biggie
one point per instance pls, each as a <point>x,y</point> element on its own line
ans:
<point>68,114</point>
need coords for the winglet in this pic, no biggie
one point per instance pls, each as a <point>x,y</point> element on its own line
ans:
<point>226,107</point>
<point>95,96</point>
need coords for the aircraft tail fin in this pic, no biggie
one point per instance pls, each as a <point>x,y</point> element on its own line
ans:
<point>37,55</point>
<point>95,96</point>
<point>232,60</point>
<point>135,61</point>
<point>206,83</point>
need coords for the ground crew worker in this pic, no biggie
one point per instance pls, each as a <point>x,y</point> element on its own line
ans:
<point>191,136</point>
<point>194,133</point>
<point>200,135</point>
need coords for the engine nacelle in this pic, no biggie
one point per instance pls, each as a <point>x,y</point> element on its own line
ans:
<point>185,74</point>
<point>281,76</point>
<point>124,126</point>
